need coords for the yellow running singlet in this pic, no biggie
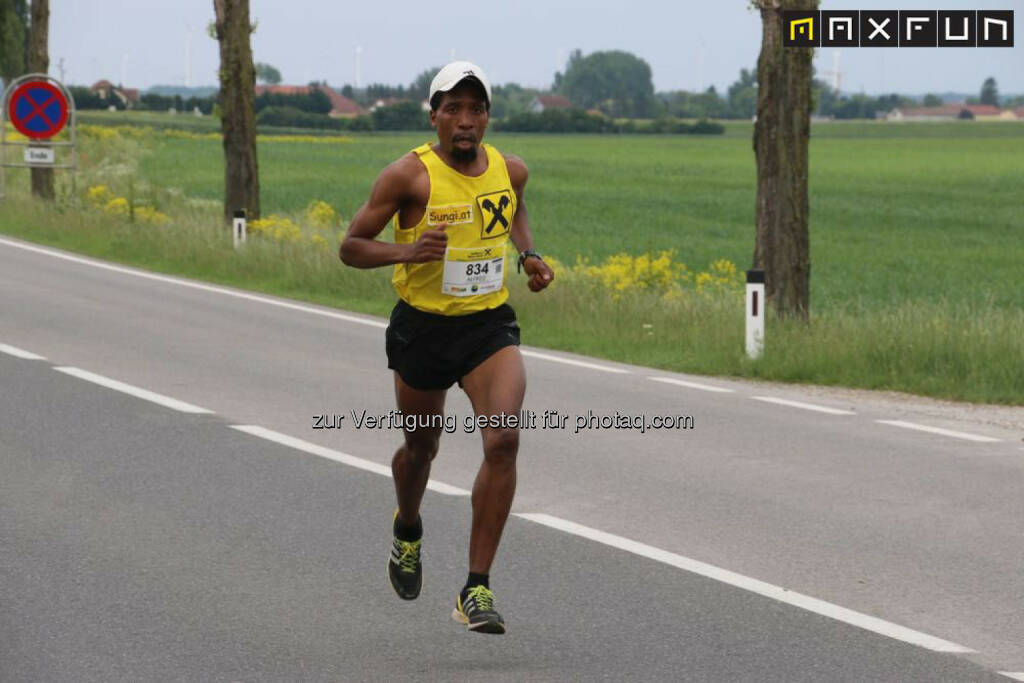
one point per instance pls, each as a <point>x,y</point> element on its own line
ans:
<point>478,211</point>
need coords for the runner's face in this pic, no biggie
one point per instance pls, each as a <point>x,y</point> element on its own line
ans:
<point>461,119</point>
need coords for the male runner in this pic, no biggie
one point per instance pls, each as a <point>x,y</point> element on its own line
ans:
<point>456,204</point>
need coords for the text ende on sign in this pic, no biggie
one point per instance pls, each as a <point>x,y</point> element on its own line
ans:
<point>39,155</point>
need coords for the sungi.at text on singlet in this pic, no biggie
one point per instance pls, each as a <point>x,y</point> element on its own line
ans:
<point>478,211</point>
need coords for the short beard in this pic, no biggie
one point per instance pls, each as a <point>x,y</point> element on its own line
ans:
<point>464,155</point>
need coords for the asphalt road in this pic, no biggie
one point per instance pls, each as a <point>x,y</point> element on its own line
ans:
<point>769,542</point>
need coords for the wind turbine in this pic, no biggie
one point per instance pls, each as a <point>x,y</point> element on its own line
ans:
<point>834,73</point>
<point>359,57</point>
<point>701,51</point>
<point>188,55</point>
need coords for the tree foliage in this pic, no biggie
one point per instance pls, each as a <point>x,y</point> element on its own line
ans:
<point>420,86</point>
<point>743,95</point>
<point>859,106</point>
<point>511,99</point>
<point>265,73</point>
<point>13,38</point>
<point>557,121</point>
<point>618,83</point>
<point>989,92</point>
<point>401,116</point>
<point>156,102</point>
<point>315,102</point>
<point>87,99</point>
<point>690,105</point>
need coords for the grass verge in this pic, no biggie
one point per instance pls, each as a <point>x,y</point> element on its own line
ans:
<point>942,349</point>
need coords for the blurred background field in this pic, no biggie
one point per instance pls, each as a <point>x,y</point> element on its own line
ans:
<point>916,240</point>
<point>892,219</point>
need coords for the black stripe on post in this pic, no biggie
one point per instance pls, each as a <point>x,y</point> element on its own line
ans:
<point>754,309</point>
<point>755,277</point>
<point>240,213</point>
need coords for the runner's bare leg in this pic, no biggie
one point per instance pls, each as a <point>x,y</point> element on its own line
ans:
<point>495,386</point>
<point>411,465</point>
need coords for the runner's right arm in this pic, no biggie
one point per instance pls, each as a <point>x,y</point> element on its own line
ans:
<point>393,190</point>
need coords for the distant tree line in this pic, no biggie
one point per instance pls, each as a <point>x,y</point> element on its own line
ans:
<point>579,121</point>
<point>610,92</point>
<point>292,117</point>
<point>154,102</point>
<point>315,102</point>
<point>86,99</point>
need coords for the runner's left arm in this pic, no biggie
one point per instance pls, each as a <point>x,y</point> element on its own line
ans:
<point>540,273</point>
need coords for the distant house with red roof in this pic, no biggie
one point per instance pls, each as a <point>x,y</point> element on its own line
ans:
<point>104,89</point>
<point>945,112</point>
<point>385,102</point>
<point>980,112</point>
<point>988,112</point>
<point>542,102</point>
<point>341,106</point>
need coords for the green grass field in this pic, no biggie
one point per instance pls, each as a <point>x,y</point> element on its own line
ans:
<point>916,242</point>
<point>892,219</point>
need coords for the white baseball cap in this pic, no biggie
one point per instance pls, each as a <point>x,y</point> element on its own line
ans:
<point>454,73</point>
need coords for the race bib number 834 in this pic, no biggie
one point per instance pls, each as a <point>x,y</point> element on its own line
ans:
<point>474,270</point>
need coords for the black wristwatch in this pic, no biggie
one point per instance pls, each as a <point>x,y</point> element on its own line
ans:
<point>527,253</point>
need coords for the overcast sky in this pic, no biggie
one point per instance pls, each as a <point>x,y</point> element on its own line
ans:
<point>689,45</point>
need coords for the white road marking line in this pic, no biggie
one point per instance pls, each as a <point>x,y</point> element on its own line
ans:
<point>137,392</point>
<point>196,285</point>
<point>570,361</point>
<point>805,406</point>
<point>19,353</point>
<point>338,456</point>
<point>692,385</point>
<point>1015,675</point>
<point>379,324</point>
<point>939,430</point>
<point>768,590</point>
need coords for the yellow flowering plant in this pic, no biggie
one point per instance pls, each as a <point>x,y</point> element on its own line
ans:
<point>322,215</point>
<point>117,206</point>
<point>659,273</point>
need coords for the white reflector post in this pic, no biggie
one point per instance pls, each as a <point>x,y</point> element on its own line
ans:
<point>755,313</point>
<point>238,227</point>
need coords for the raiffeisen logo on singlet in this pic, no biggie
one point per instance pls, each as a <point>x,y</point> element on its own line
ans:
<point>479,212</point>
<point>453,214</point>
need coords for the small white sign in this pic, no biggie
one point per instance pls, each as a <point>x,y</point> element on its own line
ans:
<point>39,155</point>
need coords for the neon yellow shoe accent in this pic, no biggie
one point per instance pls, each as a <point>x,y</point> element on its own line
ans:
<point>477,611</point>
<point>483,596</point>
<point>410,555</point>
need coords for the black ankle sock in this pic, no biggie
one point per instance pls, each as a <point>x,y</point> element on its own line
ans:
<point>405,532</point>
<point>476,580</point>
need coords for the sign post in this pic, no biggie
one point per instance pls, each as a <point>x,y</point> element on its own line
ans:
<point>238,228</point>
<point>755,313</point>
<point>39,107</point>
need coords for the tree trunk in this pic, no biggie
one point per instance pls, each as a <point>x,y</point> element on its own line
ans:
<point>781,136</point>
<point>39,63</point>
<point>238,121</point>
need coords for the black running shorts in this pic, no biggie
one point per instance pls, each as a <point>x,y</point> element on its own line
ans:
<point>431,351</point>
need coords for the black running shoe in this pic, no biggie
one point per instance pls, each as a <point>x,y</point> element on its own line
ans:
<point>475,608</point>
<point>405,569</point>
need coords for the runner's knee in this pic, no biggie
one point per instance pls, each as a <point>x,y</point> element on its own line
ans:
<point>501,444</point>
<point>422,448</point>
